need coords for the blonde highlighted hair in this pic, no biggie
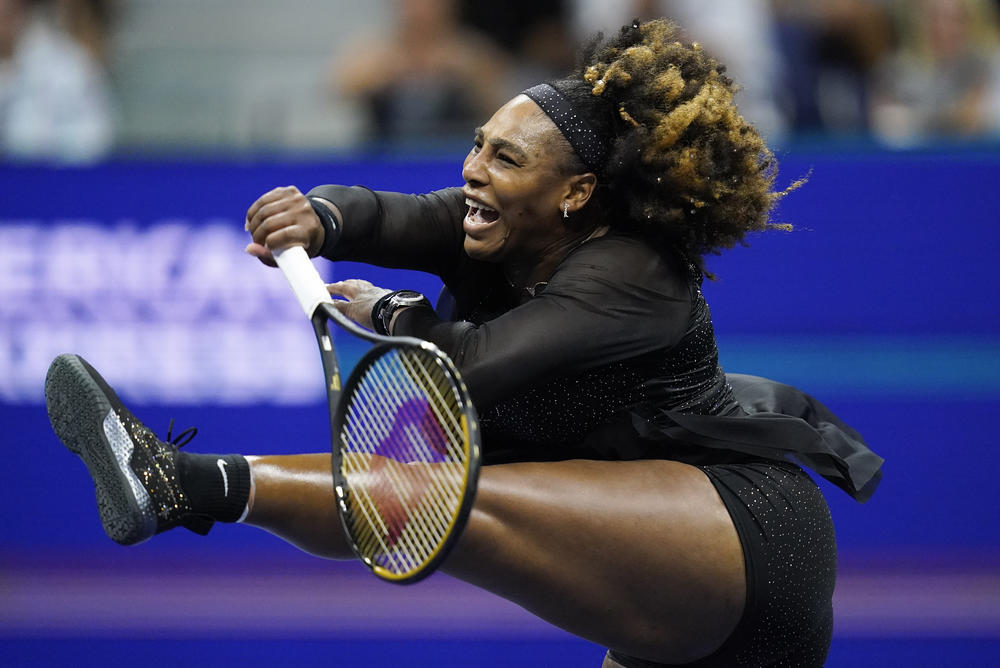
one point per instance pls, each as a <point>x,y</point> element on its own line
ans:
<point>684,165</point>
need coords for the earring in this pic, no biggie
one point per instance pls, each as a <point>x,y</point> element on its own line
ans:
<point>565,209</point>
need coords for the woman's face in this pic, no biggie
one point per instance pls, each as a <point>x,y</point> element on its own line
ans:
<point>514,188</point>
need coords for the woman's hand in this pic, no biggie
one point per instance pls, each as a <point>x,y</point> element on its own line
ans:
<point>280,219</point>
<point>360,297</point>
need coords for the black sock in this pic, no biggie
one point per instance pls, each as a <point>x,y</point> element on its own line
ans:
<point>217,485</point>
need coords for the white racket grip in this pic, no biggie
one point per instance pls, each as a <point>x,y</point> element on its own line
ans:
<point>306,282</point>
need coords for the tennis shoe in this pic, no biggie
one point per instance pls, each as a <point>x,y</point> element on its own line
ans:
<point>134,472</point>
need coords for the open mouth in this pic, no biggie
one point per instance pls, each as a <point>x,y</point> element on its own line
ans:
<point>479,213</point>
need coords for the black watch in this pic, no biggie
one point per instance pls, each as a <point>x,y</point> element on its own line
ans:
<point>388,305</point>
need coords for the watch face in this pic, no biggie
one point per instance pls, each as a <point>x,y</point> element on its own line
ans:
<point>407,298</point>
<point>401,299</point>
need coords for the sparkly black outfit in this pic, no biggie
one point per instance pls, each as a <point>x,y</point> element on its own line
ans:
<point>615,358</point>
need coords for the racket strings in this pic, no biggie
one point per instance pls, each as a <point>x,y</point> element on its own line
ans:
<point>404,506</point>
<point>406,412</point>
<point>441,493</point>
<point>405,458</point>
<point>402,486</point>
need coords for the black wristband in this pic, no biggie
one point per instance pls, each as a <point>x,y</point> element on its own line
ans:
<point>331,231</point>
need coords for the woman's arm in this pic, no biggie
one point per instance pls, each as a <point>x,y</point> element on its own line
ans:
<point>610,301</point>
<point>422,232</point>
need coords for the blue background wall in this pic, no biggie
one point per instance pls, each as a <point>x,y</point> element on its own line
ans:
<point>883,302</point>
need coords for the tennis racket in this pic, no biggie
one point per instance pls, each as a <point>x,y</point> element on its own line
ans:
<point>406,445</point>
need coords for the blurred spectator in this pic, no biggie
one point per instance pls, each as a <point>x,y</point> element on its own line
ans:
<point>428,78</point>
<point>831,49</point>
<point>536,34</point>
<point>88,23</point>
<point>942,80</point>
<point>740,33</point>
<point>55,101</point>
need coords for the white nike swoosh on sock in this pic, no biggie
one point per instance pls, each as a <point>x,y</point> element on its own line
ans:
<point>221,463</point>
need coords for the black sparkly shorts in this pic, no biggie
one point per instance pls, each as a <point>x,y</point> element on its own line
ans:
<point>790,554</point>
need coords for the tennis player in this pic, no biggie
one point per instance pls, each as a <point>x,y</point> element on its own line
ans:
<point>634,494</point>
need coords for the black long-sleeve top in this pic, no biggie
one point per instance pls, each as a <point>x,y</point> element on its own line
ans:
<point>619,327</point>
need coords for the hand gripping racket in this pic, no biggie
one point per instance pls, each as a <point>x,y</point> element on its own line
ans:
<point>405,435</point>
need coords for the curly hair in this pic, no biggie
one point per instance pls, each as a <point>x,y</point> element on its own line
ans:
<point>690,172</point>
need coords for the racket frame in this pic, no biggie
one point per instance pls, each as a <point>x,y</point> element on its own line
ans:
<point>470,425</point>
<point>319,307</point>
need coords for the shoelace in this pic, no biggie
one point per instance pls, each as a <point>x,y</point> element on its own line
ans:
<point>200,524</point>
<point>182,438</point>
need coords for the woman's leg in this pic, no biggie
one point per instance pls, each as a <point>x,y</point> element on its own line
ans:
<point>293,499</point>
<point>638,556</point>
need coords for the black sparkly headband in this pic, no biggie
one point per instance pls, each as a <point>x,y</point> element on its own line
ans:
<point>586,142</point>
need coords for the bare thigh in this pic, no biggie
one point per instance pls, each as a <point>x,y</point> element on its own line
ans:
<point>638,556</point>
<point>641,557</point>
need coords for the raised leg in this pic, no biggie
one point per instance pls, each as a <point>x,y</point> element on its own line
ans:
<point>294,500</point>
<point>638,556</point>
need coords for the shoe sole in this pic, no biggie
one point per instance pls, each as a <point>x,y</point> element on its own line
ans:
<point>84,419</point>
